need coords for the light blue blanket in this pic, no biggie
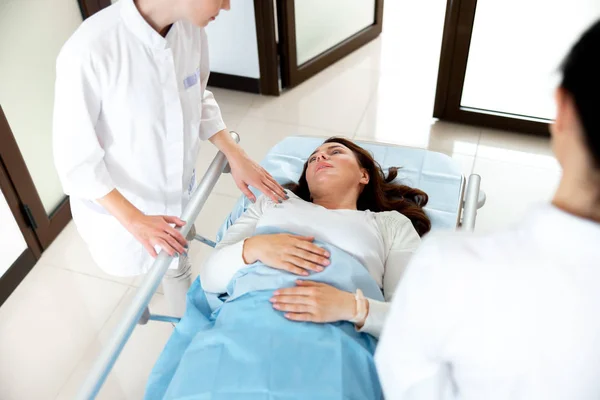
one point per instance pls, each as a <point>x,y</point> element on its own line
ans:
<point>247,350</point>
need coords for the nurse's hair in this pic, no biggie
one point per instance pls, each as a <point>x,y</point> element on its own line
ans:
<point>381,193</point>
<point>581,79</point>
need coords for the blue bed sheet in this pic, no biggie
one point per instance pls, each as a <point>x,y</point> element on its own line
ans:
<point>247,350</point>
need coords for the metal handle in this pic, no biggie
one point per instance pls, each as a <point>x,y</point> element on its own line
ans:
<point>107,358</point>
<point>471,203</point>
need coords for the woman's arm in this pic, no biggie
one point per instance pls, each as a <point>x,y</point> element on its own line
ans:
<point>240,247</point>
<point>322,303</point>
<point>227,259</point>
<point>402,240</point>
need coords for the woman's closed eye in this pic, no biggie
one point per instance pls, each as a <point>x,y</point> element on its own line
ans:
<point>332,152</point>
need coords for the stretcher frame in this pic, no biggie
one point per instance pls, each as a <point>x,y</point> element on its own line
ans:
<point>138,312</point>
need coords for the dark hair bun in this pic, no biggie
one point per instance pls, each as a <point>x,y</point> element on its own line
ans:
<point>581,78</point>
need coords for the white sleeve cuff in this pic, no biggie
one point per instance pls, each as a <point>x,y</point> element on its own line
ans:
<point>209,128</point>
<point>212,121</point>
<point>378,311</point>
<point>88,182</point>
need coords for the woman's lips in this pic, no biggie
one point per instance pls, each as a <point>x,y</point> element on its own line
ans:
<point>321,166</point>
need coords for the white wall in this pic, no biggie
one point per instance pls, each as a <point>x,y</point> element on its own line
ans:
<point>232,41</point>
<point>12,243</point>
<point>32,34</point>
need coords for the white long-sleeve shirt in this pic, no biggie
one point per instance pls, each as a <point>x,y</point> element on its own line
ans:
<point>131,108</point>
<point>510,315</point>
<point>383,242</point>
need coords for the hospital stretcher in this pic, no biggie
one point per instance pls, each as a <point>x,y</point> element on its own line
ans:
<point>453,203</point>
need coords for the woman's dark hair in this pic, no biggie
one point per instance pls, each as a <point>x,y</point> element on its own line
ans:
<point>581,78</point>
<point>380,194</point>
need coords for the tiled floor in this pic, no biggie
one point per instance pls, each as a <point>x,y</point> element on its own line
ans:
<point>55,323</point>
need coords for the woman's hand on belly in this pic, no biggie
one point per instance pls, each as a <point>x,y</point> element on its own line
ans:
<point>292,253</point>
<point>315,302</point>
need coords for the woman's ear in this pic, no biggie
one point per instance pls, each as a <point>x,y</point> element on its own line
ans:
<point>365,178</point>
<point>557,126</point>
<point>567,119</point>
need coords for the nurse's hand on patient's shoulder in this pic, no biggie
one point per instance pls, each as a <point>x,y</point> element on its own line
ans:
<point>246,172</point>
<point>156,230</point>
<point>296,254</point>
<point>314,302</point>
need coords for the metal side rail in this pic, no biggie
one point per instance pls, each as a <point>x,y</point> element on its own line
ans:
<point>107,358</point>
<point>474,200</point>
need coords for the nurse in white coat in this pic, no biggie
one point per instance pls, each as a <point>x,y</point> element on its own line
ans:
<point>513,314</point>
<point>131,108</point>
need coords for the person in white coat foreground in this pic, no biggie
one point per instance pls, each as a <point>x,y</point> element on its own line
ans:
<point>512,314</point>
<point>131,108</point>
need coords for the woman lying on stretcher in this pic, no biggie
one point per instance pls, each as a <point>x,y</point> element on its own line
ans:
<point>295,324</point>
<point>343,198</point>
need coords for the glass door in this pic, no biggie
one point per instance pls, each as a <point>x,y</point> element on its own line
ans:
<point>500,60</point>
<point>314,34</point>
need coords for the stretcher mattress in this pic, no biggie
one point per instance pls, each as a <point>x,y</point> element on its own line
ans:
<point>436,174</point>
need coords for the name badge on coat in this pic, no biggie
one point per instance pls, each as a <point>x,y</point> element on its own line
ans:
<point>192,79</point>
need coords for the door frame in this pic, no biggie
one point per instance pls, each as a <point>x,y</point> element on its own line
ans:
<point>15,274</point>
<point>25,262</point>
<point>293,74</point>
<point>456,40</point>
<point>90,7</point>
<point>266,39</point>
<point>46,227</point>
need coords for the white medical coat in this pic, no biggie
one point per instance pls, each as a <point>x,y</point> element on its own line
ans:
<point>509,315</point>
<point>131,108</point>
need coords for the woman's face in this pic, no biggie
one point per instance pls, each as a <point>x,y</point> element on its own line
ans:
<point>333,166</point>
<point>202,12</point>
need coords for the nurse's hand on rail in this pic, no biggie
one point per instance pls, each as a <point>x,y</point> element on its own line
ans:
<point>314,302</point>
<point>292,253</point>
<point>148,230</point>
<point>156,230</point>
<point>246,172</point>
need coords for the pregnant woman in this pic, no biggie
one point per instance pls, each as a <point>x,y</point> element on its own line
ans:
<point>306,284</point>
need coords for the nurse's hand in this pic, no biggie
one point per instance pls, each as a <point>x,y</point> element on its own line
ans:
<point>246,172</point>
<point>314,302</point>
<point>156,230</point>
<point>292,253</point>
<point>148,230</point>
